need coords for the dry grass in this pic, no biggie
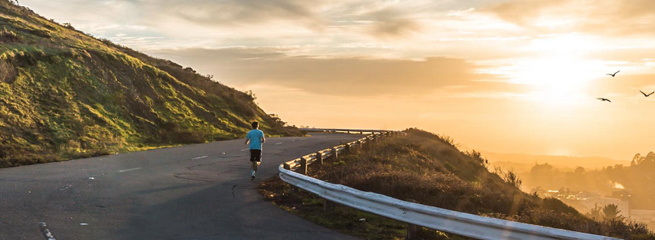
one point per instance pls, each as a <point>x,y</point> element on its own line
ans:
<point>428,169</point>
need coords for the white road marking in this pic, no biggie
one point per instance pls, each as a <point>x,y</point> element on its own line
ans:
<point>196,158</point>
<point>45,231</point>
<point>279,143</point>
<point>245,149</point>
<point>84,224</point>
<point>127,170</point>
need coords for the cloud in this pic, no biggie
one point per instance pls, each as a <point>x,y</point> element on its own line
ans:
<point>400,24</point>
<point>330,76</point>
<point>378,19</point>
<point>522,12</point>
<point>607,17</point>
<point>234,12</point>
<point>389,23</point>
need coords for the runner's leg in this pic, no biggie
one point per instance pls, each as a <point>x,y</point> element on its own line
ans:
<point>253,165</point>
<point>255,160</point>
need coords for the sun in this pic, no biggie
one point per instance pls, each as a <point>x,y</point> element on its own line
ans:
<point>556,80</point>
<point>557,72</point>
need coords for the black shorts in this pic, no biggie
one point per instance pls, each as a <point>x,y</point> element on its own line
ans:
<point>255,155</point>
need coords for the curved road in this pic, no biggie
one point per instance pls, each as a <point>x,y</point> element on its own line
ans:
<point>174,193</point>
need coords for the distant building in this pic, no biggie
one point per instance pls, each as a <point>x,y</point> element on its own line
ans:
<point>585,201</point>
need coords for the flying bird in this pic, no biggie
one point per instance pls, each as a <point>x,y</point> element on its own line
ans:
<point>604,99</point>
<point>614,74</point>
<point>647,95</point>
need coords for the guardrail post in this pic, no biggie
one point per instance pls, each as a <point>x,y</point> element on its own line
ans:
<point>335,153</point>
<point>303,165</point>
<point>327,205</point>
<point>319,157</point>
<point>412,231</point>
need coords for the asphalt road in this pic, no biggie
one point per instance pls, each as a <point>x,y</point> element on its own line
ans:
<point>175,193</point>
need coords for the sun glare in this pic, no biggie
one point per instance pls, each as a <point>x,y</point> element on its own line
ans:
<point>557,80</point>
<point>557,71</point>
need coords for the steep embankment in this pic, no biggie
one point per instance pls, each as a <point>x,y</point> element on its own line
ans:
<point>64,94</point>
<point>428,169</point>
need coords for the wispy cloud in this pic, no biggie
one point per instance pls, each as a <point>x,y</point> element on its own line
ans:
<point>607,17</point>
<point>234,12</point>
<point>331,76</point>
<point>391,23</point>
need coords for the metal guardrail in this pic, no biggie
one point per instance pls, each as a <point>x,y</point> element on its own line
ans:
<point>464,224</point>
<point>304,161</point>
<point>360,131</point>
<point>427,216</point>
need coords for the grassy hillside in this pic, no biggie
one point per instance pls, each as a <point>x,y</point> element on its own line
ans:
<point>428,169</point>
<point>64,94</point>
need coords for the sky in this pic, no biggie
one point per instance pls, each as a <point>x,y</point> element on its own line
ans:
<point>501,76</point>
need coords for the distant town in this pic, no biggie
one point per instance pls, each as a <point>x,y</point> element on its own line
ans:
<point>585,202</point>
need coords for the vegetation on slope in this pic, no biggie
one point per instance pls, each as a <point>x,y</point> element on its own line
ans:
<point>428,169</point>
<point>64,94</point>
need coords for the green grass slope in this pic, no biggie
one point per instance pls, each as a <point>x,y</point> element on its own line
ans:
<point>64,95</point>
<point>428,169</point>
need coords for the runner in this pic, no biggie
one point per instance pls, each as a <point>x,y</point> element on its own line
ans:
<point>255,139</point>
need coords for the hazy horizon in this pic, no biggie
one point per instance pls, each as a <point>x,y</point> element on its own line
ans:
<point>503,76</point>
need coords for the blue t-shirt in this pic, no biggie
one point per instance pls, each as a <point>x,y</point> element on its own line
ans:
<point>255,136</point>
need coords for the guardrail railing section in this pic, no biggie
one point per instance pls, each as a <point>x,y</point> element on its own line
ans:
<point>304,161</point>
<point>413,214</point>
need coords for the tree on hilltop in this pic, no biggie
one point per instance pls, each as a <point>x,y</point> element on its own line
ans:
<point>639,159</point>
